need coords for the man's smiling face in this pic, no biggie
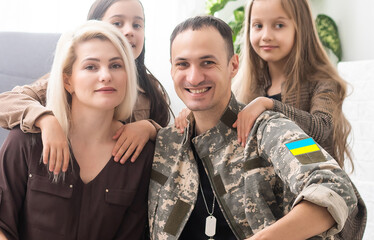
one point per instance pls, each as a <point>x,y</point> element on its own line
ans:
<point>201,70</point>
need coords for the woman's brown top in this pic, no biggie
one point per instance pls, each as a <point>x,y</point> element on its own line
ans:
<point>111,206</point>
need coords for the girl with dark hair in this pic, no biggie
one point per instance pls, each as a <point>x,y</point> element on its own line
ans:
<point>24,105</point>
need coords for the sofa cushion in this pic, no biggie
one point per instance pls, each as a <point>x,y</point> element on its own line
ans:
<point>24,58</point>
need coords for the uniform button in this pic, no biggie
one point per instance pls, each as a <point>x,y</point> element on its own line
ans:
<point>71,186</point>
<point>107,190</point>
<point>30,175</point>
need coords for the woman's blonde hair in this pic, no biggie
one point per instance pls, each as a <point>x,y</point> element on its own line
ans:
<point>307,61</point>
<point>58,99</point>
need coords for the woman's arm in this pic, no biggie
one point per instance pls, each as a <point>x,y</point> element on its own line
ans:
<point>14,156</point>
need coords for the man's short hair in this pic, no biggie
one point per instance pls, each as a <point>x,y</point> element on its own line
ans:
<point>199,22</point>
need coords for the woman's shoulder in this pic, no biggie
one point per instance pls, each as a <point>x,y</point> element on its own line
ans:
<point>18,138</point>
<point>20,145</point>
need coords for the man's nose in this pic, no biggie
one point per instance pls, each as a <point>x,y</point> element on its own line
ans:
<point>195,75</point>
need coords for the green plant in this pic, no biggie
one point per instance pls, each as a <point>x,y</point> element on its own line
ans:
<point>213,6</point>
<point>328,34</point>
<point>326,27</point>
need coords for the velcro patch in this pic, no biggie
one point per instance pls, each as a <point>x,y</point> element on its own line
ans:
<point>306,151</point>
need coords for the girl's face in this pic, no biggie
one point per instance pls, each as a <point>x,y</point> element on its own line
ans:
<point>98,79</point>
<point>272,32</point>
<point>127,15</point>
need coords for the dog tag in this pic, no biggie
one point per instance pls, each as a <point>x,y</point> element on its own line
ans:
<point>210,226</point>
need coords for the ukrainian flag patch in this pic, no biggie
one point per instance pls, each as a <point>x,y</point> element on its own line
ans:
<point>306,151</point>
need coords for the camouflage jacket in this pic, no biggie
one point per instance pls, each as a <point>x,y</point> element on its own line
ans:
<point>255,185</point>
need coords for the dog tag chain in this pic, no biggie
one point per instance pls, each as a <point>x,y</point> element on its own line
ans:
<point>211,221</point>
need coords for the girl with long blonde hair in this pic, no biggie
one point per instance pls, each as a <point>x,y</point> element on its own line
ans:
<point>284,68</point>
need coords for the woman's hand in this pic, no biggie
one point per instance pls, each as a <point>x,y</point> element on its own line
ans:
<point>248,116</point>
<point>55,145</point>
<point>180,122</point>
<point>131,138</point>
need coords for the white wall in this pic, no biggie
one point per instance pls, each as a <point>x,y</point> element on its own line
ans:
<point>354,19</point>
<point>159,26</point>
<point>359,109</point>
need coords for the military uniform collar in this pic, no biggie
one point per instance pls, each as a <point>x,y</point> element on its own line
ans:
<point>219,135</point>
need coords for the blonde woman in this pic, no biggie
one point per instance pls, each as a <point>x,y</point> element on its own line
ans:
<point>92,85</point>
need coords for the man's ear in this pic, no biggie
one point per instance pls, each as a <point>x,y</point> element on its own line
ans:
<point>67,84</point>
<point>234,64</point>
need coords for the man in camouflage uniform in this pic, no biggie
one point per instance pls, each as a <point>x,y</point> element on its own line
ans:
<point>281,173</point>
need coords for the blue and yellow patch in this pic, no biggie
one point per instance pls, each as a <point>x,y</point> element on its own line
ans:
<point>306,151</point>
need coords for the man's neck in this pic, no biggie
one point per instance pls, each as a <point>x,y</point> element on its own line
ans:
<point>205,120</point>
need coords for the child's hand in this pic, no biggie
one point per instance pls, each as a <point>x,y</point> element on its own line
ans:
<point>55,145</point>
<point>181,121</point>
<point>248,116</point>
<point>132,137</point>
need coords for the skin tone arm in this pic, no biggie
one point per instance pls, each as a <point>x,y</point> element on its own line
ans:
<point>55,145</point>
<point>131,141</point>
<point>245,121</point>
<point>2,236</point>
<point>305,220</point>
<point>181,120</point>
<point>248,116</point>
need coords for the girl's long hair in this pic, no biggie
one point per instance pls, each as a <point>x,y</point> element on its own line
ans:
<point>159,99</point>
<point>307,61</point>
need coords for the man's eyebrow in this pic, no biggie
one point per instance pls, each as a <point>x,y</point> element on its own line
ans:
<point>201,58</point>
<point>180,59</point>
<point>208,57</point>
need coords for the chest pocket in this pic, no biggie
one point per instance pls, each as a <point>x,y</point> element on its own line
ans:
<point>119,197</point>
<point>47,205</point>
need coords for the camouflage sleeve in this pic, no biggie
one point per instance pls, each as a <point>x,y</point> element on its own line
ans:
<point>307,169</point>
<point>23,105</point>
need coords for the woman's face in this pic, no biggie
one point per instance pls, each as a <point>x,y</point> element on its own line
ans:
<point>98,79</point>
<point>128,17</point>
